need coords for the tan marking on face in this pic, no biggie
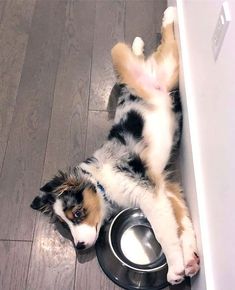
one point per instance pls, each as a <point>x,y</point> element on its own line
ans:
<point>91,203</point>
<point>69,214</point>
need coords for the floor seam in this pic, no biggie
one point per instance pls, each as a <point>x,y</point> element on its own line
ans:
<point>90,77</point>
<point>13,240</point>
<point>47,138</point>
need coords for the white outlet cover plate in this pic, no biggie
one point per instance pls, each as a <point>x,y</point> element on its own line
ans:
<point>221,29</point>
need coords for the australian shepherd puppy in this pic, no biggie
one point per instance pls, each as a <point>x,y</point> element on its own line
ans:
<point>129,170</point>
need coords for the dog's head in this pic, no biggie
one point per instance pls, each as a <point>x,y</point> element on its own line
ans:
<point>74,200</point>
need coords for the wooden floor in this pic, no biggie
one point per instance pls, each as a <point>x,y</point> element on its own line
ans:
<point>55,81</point>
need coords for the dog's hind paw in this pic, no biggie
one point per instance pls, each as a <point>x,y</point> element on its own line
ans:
<point>138,46</point>
<point>169,16</point>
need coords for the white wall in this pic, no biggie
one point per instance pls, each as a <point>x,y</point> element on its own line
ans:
<point>208,158</point>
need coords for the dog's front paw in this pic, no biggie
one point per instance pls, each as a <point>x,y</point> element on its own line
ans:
<point>191,258</point>
<point>175,275</point>
<point>176,272</point>
<point>192,266</point>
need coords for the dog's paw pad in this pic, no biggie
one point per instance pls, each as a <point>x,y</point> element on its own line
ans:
<point>138,46</point>
<point>192,266</point>
<point>169,16</point>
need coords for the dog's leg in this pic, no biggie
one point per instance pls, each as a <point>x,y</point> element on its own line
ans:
<point>131,70</point>
<point>159,212</point>
<point>189,246</point>
<point>166,55</point>
<point>159,72</point>
<point>129,67</point>
<point>186,232</point>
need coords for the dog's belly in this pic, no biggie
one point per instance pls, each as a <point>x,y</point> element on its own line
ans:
<point>153,148</point>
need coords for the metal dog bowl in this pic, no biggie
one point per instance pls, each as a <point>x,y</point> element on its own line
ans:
<point>129,254</point>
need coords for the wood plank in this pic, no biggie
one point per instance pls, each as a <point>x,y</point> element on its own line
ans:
<point>52,264</point>
<point>14,30</point>
<point>14,258</point>
<point>99,123</point>
<point>109,29</point>
<point>67,136</point>
<point>2,7</point>
<point>143,18</point>
<point>22,169</point>
<point>53,256</point>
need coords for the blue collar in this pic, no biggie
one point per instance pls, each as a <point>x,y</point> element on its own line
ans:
<point>99,188</point>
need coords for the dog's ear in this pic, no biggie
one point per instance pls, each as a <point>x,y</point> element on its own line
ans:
<point>41,202</point>
<point>46,199</point>
<point>56,181</point>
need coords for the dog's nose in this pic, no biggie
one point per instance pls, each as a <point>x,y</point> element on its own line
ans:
<point>80,246</point>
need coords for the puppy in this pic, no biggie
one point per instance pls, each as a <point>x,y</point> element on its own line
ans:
<point>130,169</point>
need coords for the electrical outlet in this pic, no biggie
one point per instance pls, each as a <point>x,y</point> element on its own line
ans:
<point>221,28</point>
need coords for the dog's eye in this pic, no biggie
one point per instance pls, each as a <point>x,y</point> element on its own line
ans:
<point>77,211</point>
<point>77,214</point>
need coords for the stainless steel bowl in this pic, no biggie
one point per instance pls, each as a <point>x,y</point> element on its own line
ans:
<point>129,254</point>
